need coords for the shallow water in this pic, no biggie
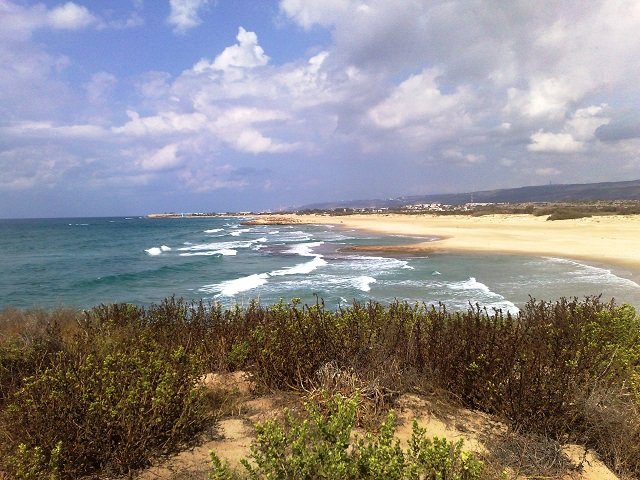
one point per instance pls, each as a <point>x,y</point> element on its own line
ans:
<point>84,262</point>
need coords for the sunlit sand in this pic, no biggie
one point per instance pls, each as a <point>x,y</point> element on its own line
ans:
<point>612,240</point>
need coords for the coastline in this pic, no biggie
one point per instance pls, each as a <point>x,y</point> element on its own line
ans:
<point>610,240</point>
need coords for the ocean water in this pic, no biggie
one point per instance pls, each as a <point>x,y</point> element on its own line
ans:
<point>85,262</point>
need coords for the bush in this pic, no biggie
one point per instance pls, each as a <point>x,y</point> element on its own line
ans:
<point>101,414</point>
<point>568,370</point>
<point>318,446</point>
<point>568,214</point>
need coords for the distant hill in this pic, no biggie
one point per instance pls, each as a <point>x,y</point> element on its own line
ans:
<point>628,190</point>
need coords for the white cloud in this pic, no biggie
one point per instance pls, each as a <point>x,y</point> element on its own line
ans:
<point>70,16</point>
<point>161,124</point>
<point>578,131</point>
<point>434,83</point>
<point>185,14</point>
<point>546,98</point>
<point>252,141</point>
<point>554,143</point>
<point>47,130</point>
<point>324,13</point>
<point>417,98</point>
<point>245,54</point>
<point>236,127</point>
<point>165,158</point>
<point>585,121</point>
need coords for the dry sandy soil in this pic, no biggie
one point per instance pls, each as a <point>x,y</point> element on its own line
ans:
<point>477,429</point>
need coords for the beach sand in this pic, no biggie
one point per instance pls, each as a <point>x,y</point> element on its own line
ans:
<point>612,240</point>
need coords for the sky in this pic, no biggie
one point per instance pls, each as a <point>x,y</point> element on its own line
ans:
<point>126,107</point>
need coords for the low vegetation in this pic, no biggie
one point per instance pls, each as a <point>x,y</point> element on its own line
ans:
<point>109,389</point>
<point>318,446</point>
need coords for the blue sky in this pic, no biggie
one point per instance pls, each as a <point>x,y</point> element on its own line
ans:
<point>134,106</point>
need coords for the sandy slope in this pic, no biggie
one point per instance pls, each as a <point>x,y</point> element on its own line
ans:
<point>236,432</point>
<point>613,240</point>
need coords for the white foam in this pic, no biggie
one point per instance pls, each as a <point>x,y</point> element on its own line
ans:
<point>229,288</point>
<point>223,252</point>
<point>239,232</point>
<point>295,236</point>
<point>363,283</point>
<point>377,264</point>
<point>217,246</point>
<point>304,249</point>
<point>227,252</point>
<point>214,230</point>
<point>261,240</point>
<point>491,300</point>
<point>471,284</point>
<point>302,268</point>
<point>153,251</point>
<point>436,272</point>
<point>591,274</point>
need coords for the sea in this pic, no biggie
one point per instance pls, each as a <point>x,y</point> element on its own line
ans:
<point>83,262</point>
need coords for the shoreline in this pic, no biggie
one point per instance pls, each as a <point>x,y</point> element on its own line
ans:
<point>606,240</point>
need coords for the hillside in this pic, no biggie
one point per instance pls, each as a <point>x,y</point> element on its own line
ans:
<point>627,190</point>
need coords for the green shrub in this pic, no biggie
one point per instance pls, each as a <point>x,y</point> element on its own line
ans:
<point>108,414</point>
<point>568,369</point>
<point>320,446</point>
<point>568,214</point>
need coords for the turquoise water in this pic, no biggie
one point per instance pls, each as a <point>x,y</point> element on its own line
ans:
<point>85,262</point>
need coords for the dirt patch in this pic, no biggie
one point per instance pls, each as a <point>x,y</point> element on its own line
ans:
<point>236,432</point>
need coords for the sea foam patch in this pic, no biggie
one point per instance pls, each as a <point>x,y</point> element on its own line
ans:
<point>300,269</point>
<point>482,294</point>
<point>304,249</point>
<point>225,252</point>
<point>472,284</point>
<point>219,246</point>
<point>153,251</point>
<point>591,274</point>
<point>363,283</point>
<point>239,231</point>
<point>229,288</point>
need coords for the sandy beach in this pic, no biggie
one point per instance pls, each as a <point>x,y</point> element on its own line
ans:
<point>613,240</point>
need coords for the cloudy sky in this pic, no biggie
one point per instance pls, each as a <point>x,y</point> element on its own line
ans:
<point>134,106</point>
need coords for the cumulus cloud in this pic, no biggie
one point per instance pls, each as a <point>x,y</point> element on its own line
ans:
<point>322,13</point>
<point>165,158</point>
<point>162,124</point>
<point>245,54</point>
<point>446,89</point>
<point>416,99</point>
<point>554,143</point>
<point>577,132</point>
<point>70,16</point>
<point>185,14</point>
